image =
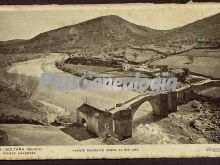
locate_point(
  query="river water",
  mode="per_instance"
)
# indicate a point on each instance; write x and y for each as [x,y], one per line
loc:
[70,100]
[146,128]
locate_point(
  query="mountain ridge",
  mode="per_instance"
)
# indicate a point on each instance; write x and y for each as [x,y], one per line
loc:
[111,30]
[201,30]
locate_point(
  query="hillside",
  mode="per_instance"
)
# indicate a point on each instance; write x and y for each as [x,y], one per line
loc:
[98,32]
[11,42]
[201,32]
[110,33]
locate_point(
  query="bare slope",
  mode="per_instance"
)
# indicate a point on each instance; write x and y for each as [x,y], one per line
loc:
[105,30]
[202,31]
[111,30]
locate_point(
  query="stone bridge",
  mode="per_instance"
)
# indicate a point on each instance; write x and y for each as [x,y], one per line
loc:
[186,93]
[122,115]
[162,104]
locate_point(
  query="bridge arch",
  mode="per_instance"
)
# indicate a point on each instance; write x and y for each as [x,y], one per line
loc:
[154,104]
[161,104]
[145,113]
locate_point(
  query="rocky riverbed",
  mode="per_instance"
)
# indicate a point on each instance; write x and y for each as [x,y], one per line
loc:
[202,125]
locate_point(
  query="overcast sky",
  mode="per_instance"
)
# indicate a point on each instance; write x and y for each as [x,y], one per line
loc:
[26,22]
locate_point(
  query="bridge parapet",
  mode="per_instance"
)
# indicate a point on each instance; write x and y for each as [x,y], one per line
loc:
[186,93]
[122,114]
[204,85]
[118,120]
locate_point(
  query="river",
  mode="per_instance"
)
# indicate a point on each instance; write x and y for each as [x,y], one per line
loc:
[146,128]
[69,100]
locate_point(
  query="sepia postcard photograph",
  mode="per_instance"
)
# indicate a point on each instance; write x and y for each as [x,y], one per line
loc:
[109,81]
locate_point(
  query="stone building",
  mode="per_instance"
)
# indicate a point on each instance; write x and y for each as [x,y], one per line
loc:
[180,74]
[96,121]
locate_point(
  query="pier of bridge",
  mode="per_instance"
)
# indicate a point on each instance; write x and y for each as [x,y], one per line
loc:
[119,118]
[122,115]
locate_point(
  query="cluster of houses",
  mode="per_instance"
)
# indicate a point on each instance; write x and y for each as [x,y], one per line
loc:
[157,70]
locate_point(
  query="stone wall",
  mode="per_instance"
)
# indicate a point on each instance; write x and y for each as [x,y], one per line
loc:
[100,124]
[122,124]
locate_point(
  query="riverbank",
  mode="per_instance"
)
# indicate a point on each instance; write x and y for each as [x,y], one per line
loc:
[175,129]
